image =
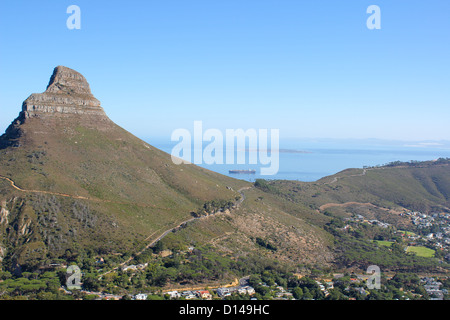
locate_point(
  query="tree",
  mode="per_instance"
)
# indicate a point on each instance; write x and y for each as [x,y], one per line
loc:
[159,246]
[262,290]
[4,275]
[90,282]
[254,280]
[336,294]
[306,294]
[297,292]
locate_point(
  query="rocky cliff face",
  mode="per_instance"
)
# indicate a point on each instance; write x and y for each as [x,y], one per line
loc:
[67,93]
[68,98]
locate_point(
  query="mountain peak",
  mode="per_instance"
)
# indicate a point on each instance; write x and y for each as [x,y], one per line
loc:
[67,93]
[66,80]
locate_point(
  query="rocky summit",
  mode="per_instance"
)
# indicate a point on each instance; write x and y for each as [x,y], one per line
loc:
[67,101]
[68,92]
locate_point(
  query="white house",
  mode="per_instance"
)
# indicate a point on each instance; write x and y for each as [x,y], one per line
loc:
[131,267]
[223,292]
[173,294]
[246,290]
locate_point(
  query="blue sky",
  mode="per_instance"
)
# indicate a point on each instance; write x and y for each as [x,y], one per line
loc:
[308,68]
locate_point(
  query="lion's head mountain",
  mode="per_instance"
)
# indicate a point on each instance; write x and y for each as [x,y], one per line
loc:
[74,183]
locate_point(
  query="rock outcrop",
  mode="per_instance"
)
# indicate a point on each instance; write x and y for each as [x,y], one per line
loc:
[67,93]
[67,98]
[4,213]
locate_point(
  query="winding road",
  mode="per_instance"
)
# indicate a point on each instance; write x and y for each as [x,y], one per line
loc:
[166,232]
[335,179]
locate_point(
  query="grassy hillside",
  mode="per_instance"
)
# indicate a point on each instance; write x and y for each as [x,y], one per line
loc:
[262,226]
[423,188]
[345,203]
[67,171]
[74,186]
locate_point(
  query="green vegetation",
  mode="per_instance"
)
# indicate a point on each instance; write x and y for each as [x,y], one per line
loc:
[265,244]
[384,243]
[211,207]
[44,286]
[90,185]
[266,186]
[414,163]
[423,187]
[421,251]
[94,195]
[356,248]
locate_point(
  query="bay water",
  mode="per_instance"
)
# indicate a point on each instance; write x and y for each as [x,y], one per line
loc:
[313,159]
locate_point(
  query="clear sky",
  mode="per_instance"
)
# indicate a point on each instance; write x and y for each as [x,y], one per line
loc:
[307,68]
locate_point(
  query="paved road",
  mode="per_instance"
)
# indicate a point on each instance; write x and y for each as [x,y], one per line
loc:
[242,195]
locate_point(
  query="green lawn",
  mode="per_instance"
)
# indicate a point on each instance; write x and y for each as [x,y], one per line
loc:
[421,251]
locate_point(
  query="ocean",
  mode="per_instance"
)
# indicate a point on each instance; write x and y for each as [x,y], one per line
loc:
[312,159]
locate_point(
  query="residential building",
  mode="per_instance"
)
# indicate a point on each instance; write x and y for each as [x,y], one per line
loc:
[141,296]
